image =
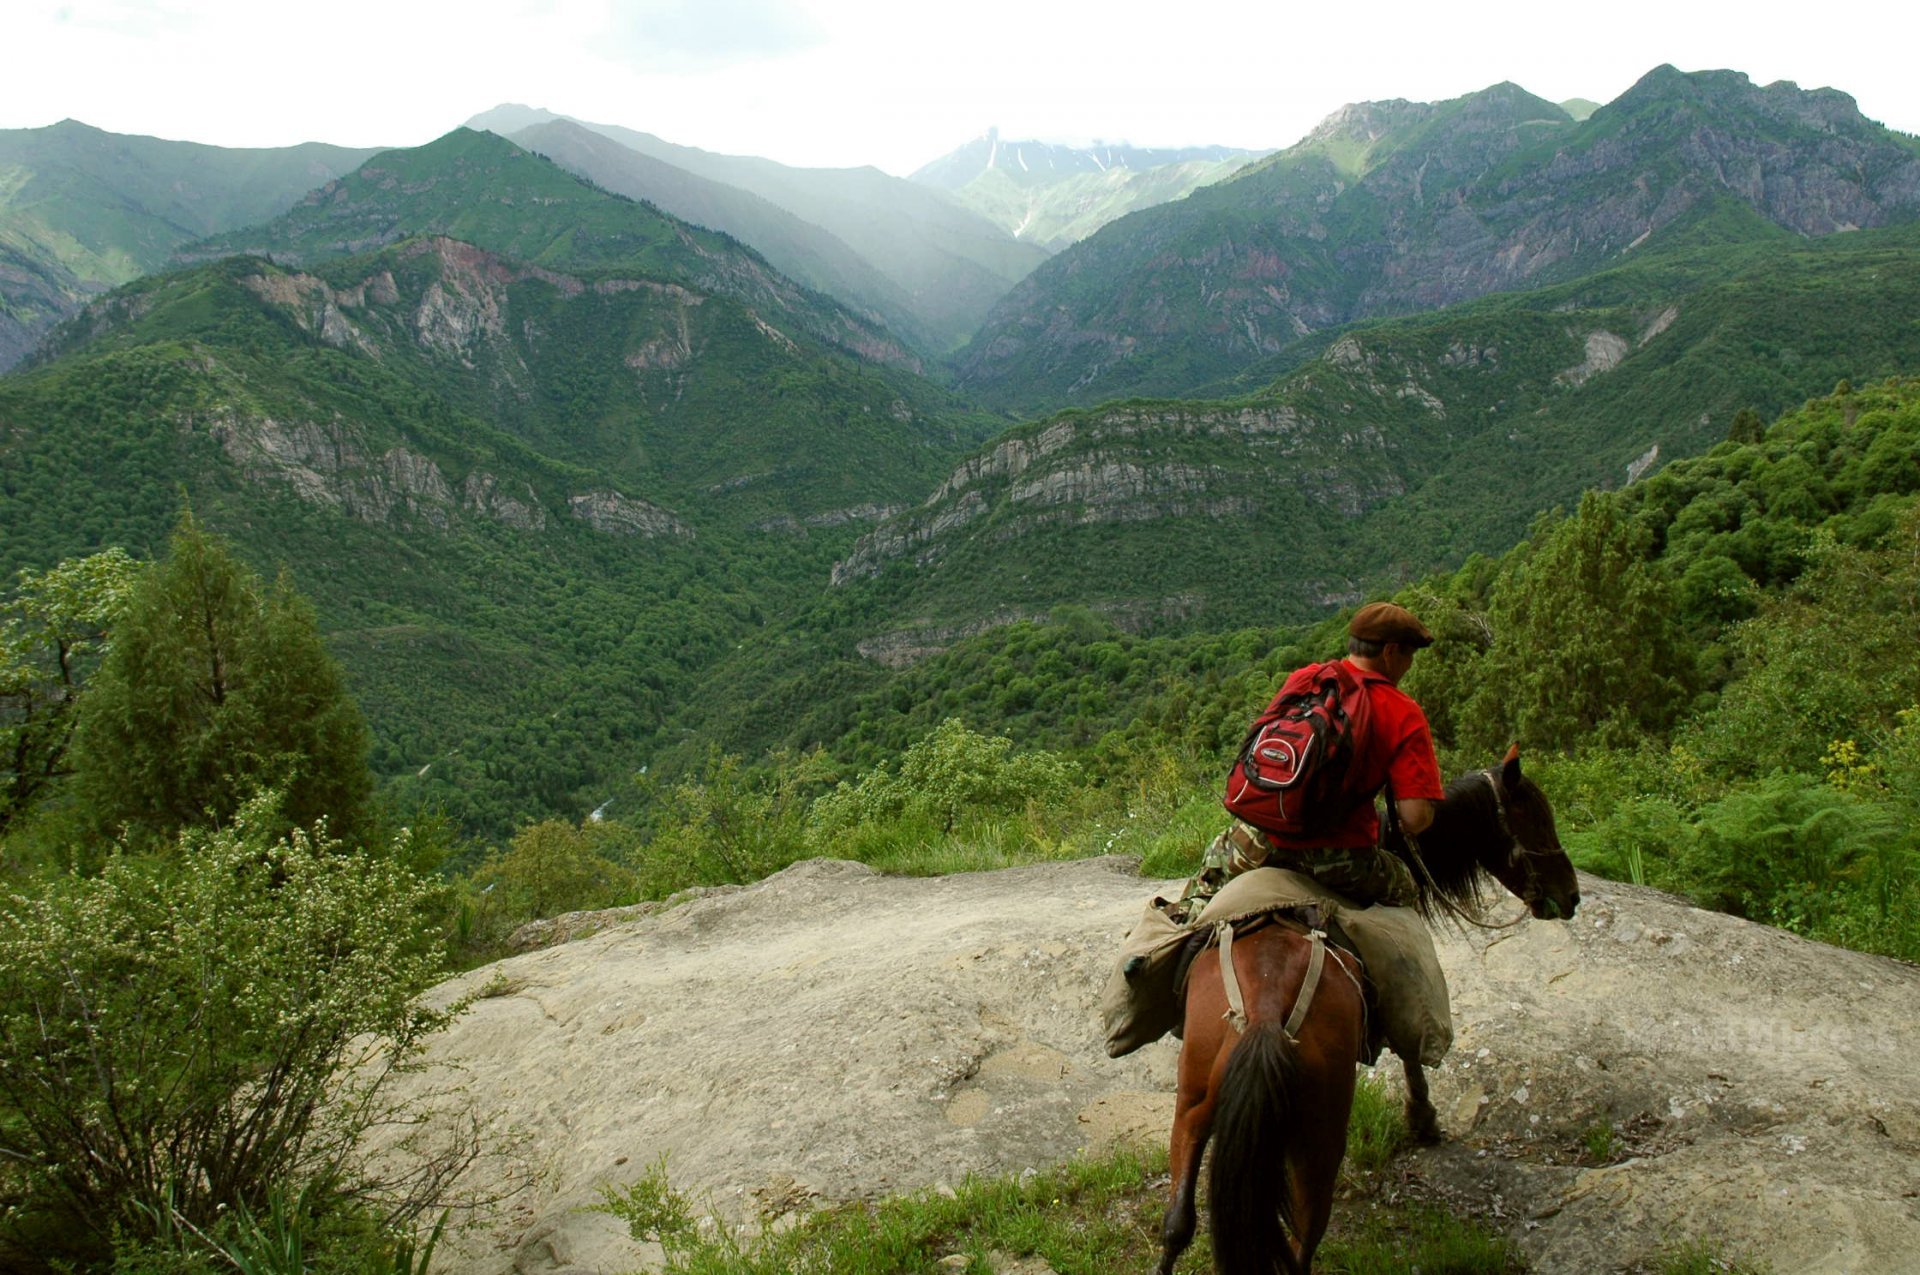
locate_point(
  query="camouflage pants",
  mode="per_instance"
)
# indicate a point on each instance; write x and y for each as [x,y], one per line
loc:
[1365,874]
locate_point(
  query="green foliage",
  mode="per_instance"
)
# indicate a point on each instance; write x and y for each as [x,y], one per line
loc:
[1087,1217]
[1376,1128]
[1584,645]
[554,866]
[52,632]
[1703,1257]
[180,1036]
[1601,1141]
[211,689]
[1747,427]
[1790,850]
[1833,658]
[728,824]
[951,775]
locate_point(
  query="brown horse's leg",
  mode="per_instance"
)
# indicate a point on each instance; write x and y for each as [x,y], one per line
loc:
[1191,1124]
[1318,1142]
[1193,1108]
[1422,1119]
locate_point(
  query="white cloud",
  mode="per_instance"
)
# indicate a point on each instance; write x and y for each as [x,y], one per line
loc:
[843,82]
[697,35]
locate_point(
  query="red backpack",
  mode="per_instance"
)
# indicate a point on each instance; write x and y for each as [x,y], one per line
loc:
[1292,774]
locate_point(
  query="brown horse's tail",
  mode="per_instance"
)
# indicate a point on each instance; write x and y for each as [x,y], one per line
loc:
[1248,1183]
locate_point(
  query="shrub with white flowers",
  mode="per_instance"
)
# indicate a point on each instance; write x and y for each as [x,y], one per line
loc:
[185,1036]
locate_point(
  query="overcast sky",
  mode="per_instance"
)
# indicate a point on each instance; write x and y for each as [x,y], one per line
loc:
[894,83]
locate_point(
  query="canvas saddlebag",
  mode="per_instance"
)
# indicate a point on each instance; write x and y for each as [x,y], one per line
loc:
[1394,943]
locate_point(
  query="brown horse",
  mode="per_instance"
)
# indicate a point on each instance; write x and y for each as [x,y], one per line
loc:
[1276,1104]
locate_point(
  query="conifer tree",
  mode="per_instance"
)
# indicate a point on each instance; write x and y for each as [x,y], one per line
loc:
[1584,646]
[213,689]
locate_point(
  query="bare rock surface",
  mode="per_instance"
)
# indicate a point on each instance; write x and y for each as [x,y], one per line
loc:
[832,1034]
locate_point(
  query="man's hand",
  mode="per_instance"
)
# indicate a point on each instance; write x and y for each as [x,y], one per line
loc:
[1416,815]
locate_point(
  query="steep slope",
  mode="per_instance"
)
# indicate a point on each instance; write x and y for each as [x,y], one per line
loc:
[1057,195]
[951,263]
[484,190]
[798,249]
[1377,460]
[82,210]
[1395,207]
[531,506]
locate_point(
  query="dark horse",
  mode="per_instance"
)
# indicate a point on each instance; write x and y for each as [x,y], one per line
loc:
[1277,1104]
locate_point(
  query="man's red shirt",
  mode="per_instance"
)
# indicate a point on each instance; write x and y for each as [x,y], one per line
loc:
[1398,747]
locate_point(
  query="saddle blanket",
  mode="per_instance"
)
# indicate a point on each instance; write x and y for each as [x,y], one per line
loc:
[1403,969]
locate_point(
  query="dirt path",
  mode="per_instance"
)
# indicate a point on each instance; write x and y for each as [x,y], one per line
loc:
[831,1034]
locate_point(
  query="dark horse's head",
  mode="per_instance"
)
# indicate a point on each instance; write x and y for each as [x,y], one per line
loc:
[1496,821]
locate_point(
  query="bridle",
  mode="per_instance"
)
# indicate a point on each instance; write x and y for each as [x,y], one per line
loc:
[1518,855]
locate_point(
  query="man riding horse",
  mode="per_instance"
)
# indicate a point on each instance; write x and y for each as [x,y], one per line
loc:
[1346,855]
[1276,1009]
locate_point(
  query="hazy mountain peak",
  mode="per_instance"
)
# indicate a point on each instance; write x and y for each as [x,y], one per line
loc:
[1030,162]
[510,117]
[1369,121]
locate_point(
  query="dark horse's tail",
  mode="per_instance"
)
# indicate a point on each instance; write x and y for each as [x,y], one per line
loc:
[1248,1182]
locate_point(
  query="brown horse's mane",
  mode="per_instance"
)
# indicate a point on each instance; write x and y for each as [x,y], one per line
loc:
[1466,823]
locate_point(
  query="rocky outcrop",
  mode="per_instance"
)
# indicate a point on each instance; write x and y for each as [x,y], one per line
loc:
[904,648]
[316,308]
[327,464]
[1604,352]
[483,494]
[1111,467]
[1639,1076]
[615,514]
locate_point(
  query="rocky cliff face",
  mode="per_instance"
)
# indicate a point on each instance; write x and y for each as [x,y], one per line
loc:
[1392,207]
[1114,466]
[330,464]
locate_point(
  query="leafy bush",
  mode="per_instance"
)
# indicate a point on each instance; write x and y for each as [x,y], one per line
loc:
[214,687]
[554,866]
[731,824]
[180,1037]
[952,774]
[51,634]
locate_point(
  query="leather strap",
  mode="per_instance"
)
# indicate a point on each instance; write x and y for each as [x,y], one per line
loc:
[1236,1004]
[1230,979]
[1316,961]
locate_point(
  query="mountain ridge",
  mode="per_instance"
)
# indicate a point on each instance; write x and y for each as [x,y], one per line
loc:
[83,210]
[1396,207]
[951,262]
[483,189]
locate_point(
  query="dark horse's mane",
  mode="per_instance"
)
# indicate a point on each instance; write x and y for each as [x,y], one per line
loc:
[1465,822]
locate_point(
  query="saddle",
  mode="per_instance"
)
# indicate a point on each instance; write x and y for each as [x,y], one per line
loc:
[1408,1008]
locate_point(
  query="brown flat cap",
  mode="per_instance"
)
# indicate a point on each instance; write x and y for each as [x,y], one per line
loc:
[1385,622]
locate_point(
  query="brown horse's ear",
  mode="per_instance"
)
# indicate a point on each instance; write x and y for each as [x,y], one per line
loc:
[1510,767]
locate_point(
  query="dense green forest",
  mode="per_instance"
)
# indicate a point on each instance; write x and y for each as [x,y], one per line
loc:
[1711,672]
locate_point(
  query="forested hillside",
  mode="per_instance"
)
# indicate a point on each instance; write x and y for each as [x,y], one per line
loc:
[82,211]
[1376,461]
[529,504]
